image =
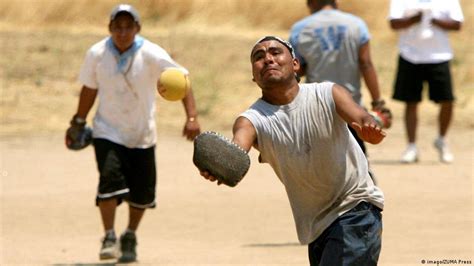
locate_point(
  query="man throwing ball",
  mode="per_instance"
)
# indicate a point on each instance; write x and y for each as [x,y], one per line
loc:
[123,71]
[301,131]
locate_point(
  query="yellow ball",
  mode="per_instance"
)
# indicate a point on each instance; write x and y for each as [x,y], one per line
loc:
[173,84]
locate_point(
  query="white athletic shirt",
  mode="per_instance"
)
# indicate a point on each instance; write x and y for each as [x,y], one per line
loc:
[312,152]
[126,110]
[424,43]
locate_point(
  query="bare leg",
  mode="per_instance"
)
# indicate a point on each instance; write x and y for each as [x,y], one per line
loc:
[135,216]
[128,240]
[411,121]
[107,211]
[444,118]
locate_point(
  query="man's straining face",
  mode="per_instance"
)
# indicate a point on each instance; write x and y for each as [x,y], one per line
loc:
[272,63]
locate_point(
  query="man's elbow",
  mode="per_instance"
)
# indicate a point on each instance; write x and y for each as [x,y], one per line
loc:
[365,64]
[393,25]
[457,25]
[396,24]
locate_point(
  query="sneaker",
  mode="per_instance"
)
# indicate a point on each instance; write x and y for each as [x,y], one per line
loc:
[410,155]
[109,247]
[445,154]
[128,242]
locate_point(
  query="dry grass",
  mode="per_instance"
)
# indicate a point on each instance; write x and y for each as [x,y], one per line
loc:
[43,43]
[243,12]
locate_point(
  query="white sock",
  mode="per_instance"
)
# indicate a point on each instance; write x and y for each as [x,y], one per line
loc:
[412,146]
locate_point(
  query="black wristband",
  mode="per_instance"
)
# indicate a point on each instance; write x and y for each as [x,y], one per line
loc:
[78,121]
[378,103]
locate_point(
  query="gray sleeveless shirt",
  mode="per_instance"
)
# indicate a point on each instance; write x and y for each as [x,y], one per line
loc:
[312,152]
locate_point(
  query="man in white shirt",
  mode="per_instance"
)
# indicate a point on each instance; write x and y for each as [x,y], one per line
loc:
[123,70]
[425,54]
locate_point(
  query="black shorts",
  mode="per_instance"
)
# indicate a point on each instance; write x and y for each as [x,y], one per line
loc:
[126,174]
[410,78]
[359,140]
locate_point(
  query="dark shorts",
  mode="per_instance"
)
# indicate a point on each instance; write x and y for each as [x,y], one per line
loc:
[359,140]
[355,238]
[126,174]
[410,78]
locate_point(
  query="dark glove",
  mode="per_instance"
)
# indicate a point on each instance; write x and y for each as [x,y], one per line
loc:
[78,135]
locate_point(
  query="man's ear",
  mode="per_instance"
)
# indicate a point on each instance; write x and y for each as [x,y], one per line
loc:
[296,65]
[139,27]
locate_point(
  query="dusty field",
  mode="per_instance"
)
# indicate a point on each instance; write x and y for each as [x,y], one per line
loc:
[48,214]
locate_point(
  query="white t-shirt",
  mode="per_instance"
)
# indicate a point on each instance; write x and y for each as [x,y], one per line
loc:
[312,152]
[423,42]
[126,110]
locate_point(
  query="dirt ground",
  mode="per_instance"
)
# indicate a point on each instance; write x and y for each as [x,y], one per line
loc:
[48,214]
[47,211]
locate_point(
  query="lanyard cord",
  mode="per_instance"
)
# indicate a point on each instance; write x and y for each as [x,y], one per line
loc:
[124,75]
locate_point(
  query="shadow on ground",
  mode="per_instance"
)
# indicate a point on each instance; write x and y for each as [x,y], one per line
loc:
[271,245]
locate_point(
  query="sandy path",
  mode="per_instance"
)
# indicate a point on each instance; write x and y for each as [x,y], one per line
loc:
[48,216]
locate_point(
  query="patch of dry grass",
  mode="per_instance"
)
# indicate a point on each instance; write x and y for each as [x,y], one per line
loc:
[275,14]
[43,43]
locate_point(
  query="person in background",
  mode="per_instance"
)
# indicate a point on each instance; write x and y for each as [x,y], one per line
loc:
[425,56]
[122,71]
[332,45]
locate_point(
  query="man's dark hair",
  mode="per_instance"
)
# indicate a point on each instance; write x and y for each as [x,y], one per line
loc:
[321,3]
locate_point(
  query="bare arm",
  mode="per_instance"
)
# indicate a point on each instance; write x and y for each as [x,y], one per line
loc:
[78,122]
[86,101]
[245,134]
[402,23]
[368,72]
[447,24]
[191,127]
[364,124]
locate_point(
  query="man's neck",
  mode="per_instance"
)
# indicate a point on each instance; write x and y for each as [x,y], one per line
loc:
[281,95]
[121,51]
[325,7]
